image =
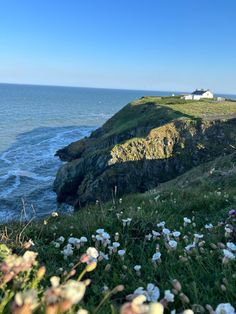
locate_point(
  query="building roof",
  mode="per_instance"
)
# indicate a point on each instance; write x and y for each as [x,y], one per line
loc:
[200,91]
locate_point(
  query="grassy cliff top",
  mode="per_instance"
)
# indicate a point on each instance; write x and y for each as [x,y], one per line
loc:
[155,111]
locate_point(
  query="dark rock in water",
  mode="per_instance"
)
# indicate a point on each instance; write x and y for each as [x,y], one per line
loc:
[150,141]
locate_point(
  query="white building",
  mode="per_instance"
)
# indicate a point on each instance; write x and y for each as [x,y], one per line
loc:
[199,94]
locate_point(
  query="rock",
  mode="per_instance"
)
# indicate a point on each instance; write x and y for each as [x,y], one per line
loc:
[146,143]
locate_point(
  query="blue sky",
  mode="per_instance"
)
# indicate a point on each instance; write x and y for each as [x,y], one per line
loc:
[136,44]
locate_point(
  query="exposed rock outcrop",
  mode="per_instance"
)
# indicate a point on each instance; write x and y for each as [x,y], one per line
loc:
[149,141]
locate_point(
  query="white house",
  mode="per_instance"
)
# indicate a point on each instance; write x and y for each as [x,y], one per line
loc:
[199,94]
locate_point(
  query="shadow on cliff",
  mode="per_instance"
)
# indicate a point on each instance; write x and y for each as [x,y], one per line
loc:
[90,178]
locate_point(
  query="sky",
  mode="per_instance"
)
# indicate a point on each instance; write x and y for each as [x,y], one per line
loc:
[176,45]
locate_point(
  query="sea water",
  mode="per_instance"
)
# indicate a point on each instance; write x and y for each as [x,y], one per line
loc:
[36,121]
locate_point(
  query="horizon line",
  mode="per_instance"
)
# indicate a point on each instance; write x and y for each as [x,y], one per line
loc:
[111,88]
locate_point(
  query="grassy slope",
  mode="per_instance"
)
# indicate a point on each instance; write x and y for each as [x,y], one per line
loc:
[148,110]
[206,192]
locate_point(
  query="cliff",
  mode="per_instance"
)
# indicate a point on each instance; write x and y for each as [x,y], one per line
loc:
[150,141]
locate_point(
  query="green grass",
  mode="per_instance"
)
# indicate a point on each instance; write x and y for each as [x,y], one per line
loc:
[204,194]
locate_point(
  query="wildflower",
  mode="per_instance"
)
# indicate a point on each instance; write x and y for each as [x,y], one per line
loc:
[161,224]
[148,237]
[172,244]
[121,253]
[169,297]
[115,246]
[73,291]
[225,308]
[156,308]
[117,236]
[25,302]
[61,239]
[74,241]
[190,247]
[156,256]
[176,234]
[187,221]
[54,214]
[83,240]
[232,212]
[55,281]
[166,231]
[100,231]
[231,246]
[82,311]
[152,293]
[136,306]
[92,252]
[126,222]
[67,251]
[198,236]
[155,234]
[229,255]
[137,268]
[208,226]
[102,256]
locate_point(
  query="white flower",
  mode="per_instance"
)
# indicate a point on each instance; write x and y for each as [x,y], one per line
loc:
[102,256]
[61,239]
[106,236]
[155,233]
[190,247]
[173,244]
[126,222]
[166,231]
[169,296]
[187,221]
[73,241]
[137,267]
[82,311]
[198,236]
[54,214]
[115,244]
[156,256]
[153,292]
[161,224]
[148,237]
[92,252]
[83,239]
[225,308]
[55,281]
[73,291]
[67,251]
[228,254]
[228,230]
[231,246]
[208,226]
[99,237]
[99,231]
[176,234]
[121,252]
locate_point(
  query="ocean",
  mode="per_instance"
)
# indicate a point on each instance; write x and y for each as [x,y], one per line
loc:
[36,121]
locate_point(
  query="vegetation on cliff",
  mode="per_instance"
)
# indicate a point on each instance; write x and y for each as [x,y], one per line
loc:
[178,242]
[149,141]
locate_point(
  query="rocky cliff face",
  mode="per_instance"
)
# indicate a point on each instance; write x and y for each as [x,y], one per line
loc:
[149,141]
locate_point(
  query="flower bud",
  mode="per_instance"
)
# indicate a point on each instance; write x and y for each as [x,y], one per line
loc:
[41,272]
[184,298]
[91,266]
[176,285]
